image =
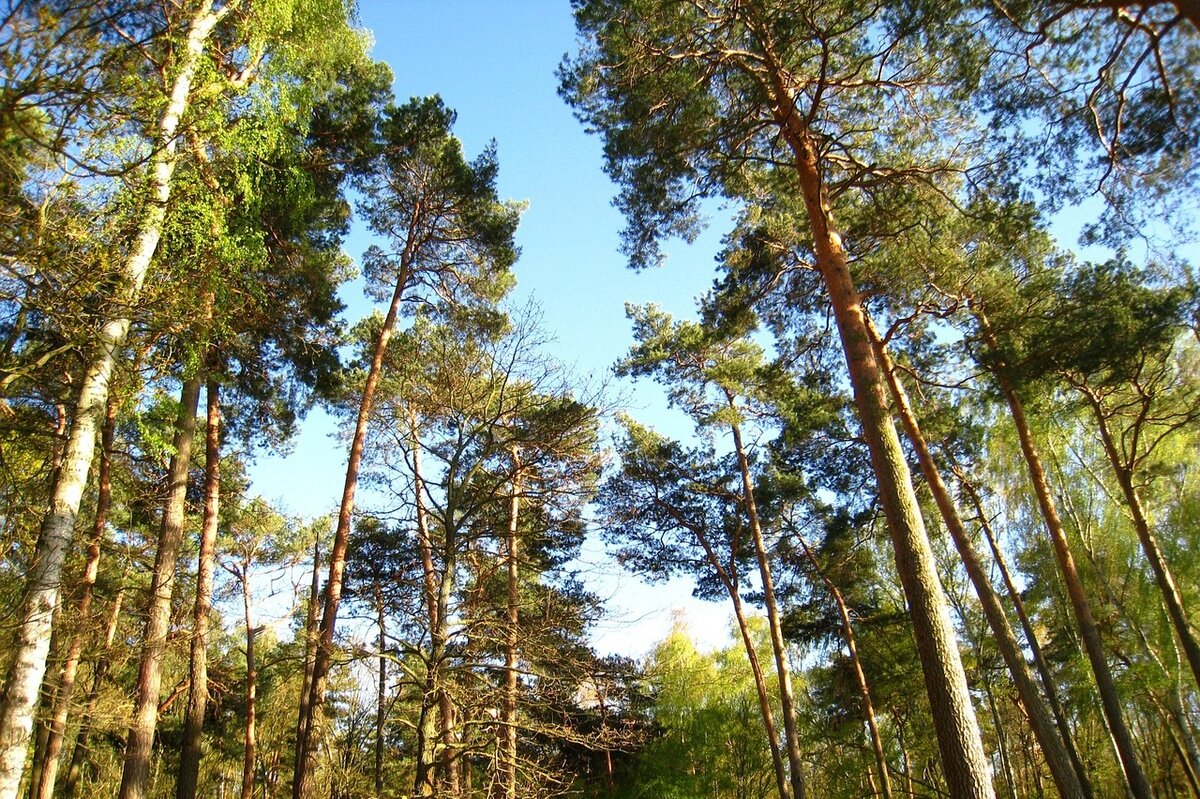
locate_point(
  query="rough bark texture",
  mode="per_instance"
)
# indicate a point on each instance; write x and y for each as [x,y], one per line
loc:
[1110,700]
[193,723]
[135,777]
[508,715]
[303,783]
[1040,719]
[963,761]
[70,670]
[311,637]
[45,574]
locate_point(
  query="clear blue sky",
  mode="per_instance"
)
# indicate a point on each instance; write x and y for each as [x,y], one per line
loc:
[494,62]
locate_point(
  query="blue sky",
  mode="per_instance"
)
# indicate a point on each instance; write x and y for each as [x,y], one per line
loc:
[494,63]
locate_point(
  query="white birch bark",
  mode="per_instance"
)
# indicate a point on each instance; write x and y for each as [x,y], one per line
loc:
[58,528]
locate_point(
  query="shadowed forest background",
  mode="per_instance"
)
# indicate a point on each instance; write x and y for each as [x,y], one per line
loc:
[929,437]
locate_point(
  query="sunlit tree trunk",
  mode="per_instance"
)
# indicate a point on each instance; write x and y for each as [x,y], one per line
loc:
[508,715]
[43,581]
[193,725]
[787,698]
[135,776]
[1110,699]
[303,783]
[1054,749]
[963,761]
[250,740]
[70,670]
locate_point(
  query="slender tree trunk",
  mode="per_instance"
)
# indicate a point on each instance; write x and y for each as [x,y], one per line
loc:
[1001,744]
[729,579]
[1041,720]
[193,724]
[426,729]
[83,741]
[381,696]
[508,715]
[1110,700]
[311,635]
[963,761]
[135,777]
[787,697]
[43,581]
[1163,578]
[66,684]
[45,710]
[447,736]
[864,692]
[303,784]
[251,737]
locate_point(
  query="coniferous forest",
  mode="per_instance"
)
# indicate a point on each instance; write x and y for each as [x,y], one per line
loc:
[938,465]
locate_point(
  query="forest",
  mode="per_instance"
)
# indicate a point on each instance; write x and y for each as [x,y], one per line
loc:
[938,453]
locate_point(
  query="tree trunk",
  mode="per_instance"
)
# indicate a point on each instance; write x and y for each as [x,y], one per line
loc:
[303,784]
[864,692]
[963,761]
[787,699]
[45,574]
[729,579]
[311,635]
[423,782]
[1110,700]
[1041,720]
[193,725]
[135,776]
[1163,578]
[381,697]
[75,770]
[1035,647]
[508,715]
[45,710]
[251,738]
[66,683]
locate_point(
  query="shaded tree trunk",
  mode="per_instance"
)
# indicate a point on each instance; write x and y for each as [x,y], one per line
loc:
[251,737]
[1110,699]
[193,725]
[860,677]
[381,696]
[83,741]
[508,715]
[135,776]
[45,575]
[311,634]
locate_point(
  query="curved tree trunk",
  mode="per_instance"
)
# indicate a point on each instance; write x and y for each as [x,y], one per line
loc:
[193,724]
[303,782]
[66,684]
[44,579]
[1041,720]
[135,776]
[1110,700]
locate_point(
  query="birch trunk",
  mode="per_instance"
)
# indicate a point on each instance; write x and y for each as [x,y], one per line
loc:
[45,574]
[193,725]
[66,685]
